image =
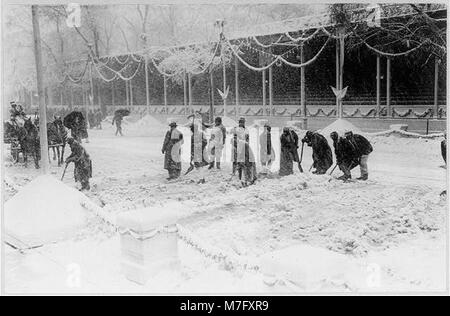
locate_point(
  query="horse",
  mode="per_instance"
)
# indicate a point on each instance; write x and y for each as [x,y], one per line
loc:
[29,142]
[57,137]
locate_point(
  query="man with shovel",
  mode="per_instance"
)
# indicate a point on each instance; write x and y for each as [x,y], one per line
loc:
[289,152]
[82,161]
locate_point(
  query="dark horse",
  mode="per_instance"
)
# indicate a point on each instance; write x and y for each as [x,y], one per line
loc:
[29,142]
[57,137]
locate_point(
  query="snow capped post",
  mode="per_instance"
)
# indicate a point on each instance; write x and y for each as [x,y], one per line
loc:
[40,87]
[149,243]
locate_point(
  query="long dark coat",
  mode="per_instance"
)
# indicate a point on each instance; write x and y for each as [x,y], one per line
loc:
[289,152]
[172,150]
[322,155]
[346,156]
[82,161]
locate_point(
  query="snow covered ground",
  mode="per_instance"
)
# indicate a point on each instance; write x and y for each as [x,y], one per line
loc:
[391,230]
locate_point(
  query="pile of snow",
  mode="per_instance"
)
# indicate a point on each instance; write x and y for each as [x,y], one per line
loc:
[340,126]
[44,211]
[229,122]
[312,268]
[150,122]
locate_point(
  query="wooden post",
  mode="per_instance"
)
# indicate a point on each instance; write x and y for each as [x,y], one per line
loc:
[236,85]
[126,93]
[224,72]
[113,97]
[147,95]
[264,92]
[40,87]
[165,95]
[436,87]
[190,92]
[131,93]
[388,87]
[378,85]
[211,88]
[91,97]
[270,90]
[337,75]
[341,70]
[71,98]
[185,93]
[302,88]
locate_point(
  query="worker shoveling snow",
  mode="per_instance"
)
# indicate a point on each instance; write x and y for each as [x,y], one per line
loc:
[340,126]
[44,211]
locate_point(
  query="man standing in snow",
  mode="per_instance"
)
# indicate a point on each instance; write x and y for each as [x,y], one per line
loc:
[118,120]
[172,151]
[267,152]
[289,152]
[82,161]
[239,133]
[346,157]
[322,156]
[246,164]
[217,143]
[444,148]
[363,149]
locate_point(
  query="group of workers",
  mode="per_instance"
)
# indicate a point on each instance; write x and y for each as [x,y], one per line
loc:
[351,150]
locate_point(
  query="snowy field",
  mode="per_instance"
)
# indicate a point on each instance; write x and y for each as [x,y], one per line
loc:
[386,234]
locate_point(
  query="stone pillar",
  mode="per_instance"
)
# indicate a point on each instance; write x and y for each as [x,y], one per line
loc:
[148,242]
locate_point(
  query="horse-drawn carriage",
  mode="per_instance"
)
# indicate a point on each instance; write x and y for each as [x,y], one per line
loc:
[11,137]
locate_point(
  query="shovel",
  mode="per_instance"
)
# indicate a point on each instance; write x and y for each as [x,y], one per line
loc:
[64,172]
[301,158]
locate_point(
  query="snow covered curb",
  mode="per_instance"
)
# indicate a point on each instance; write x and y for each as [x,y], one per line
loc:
[404,133]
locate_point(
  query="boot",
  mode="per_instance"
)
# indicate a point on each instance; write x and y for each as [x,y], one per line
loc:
[344,177]
[218,165]
[363,177]
[211,166]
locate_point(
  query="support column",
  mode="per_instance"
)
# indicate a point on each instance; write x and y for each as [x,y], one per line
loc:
[126,93]
[236,85]
[302,89]
[40,87]
[211,84]
[388,87]
[190,92]
[165,95]
[131,93]
[224,71]
[436,87]
[378,78]
[147,95]
[264,93]
[337,75]
[91,97]
[185,94]
[113,97]
[341,70]
[71,97]
[270,90]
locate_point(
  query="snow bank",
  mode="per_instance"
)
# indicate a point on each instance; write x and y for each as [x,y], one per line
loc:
[44,211]
[340,126]
[229,122]
[312,268]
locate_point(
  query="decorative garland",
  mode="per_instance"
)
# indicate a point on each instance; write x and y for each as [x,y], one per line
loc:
[277,59]
[371,112]
[320,111]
